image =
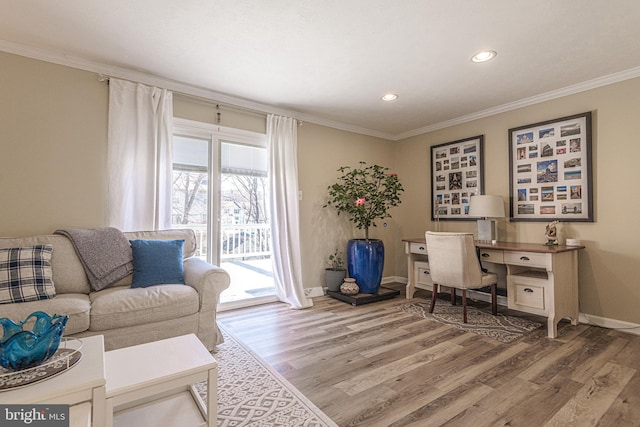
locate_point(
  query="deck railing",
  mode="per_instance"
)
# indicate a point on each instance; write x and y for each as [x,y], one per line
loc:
[237,240]
[245,240]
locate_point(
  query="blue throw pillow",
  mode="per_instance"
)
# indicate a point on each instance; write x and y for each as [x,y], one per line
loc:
[157,262]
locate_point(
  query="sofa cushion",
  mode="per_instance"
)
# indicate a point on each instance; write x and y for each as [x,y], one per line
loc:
[188,235]
[25,274]
[76,306]
[157,262]
[68,273]
[120,306]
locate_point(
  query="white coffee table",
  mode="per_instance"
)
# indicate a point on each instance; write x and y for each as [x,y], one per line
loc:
[82,387]
[148,384]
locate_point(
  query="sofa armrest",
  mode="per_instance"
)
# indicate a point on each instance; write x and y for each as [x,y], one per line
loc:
[209,280]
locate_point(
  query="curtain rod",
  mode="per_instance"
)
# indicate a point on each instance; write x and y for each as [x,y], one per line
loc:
[208,101]
[213,103]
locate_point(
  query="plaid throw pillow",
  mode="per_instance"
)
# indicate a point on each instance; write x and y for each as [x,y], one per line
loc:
[25,274]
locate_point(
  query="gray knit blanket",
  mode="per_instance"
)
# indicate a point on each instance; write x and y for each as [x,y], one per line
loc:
[105,254]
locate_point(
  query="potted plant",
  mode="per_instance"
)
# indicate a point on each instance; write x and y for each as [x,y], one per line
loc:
[365,193]
[336,272]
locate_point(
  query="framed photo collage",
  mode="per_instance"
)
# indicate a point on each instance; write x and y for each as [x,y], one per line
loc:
[550,170]
[456,175]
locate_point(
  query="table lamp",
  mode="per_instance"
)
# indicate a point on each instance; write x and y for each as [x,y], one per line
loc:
[488,208]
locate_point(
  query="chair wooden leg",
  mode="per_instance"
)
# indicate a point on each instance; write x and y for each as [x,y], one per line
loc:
[494,299]
[453,296]
[434,294]
[464,306]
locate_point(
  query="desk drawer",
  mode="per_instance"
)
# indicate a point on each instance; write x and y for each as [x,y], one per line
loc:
[491,255]
[527,294]
[418,248]
[530,259]
[423,275]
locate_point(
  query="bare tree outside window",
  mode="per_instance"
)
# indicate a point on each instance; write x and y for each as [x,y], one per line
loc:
[189,197]
[244,201]
[248,194]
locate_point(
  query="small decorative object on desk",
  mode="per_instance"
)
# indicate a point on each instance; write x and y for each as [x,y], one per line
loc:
[22,349]
[551,232]
[349,287]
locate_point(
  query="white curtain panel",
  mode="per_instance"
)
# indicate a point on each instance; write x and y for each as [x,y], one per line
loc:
[139,165]
[285,218]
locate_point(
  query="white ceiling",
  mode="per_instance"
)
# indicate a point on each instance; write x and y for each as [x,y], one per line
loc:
[330,61]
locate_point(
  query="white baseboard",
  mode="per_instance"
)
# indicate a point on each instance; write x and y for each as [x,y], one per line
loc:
[394,279]
[481,296]
[619,325]
[316,291]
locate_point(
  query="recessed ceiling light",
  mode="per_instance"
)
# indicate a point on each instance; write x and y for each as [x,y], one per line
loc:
[389,97]
[484,56]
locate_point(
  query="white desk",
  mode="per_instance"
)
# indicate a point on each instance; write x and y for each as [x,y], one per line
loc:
[541,279]
[160,372]
[82,387]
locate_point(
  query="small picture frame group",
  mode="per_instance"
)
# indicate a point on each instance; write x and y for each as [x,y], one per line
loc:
[456,175]
[550,170]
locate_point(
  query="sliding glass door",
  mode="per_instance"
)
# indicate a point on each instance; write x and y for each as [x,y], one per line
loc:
[220,191]
[244,221]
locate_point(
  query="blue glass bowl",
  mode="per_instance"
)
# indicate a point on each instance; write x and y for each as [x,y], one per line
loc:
[20,349]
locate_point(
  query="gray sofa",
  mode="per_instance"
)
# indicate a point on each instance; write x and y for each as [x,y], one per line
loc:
[124,315]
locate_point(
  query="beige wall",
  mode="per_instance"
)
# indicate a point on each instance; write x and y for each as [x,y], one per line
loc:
[321,151]
[53,134]
[609,281]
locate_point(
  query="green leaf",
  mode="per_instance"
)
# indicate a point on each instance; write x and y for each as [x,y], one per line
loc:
[379,189]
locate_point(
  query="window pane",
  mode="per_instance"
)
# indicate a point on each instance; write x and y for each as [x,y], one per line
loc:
[190,187]
[244,159]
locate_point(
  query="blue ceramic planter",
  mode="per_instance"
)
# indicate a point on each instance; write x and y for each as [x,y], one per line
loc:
[365,261]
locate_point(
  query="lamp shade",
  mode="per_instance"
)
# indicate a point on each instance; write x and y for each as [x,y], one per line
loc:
[486,206]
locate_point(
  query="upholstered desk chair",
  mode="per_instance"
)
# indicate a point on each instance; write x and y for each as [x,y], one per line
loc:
[453,262]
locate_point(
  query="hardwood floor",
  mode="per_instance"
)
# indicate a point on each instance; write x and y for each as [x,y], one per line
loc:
[373,365]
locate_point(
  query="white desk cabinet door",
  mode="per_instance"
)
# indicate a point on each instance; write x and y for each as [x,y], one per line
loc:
[527,294]
[423,275]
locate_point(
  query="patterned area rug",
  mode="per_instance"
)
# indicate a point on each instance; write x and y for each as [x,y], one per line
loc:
[501,327]
[251,393]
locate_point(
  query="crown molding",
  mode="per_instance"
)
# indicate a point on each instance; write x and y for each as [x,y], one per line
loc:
[547,96]
[176,86]
[345,127]
[196,91]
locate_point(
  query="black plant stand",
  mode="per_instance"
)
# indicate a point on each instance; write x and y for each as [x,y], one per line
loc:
[359,299]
